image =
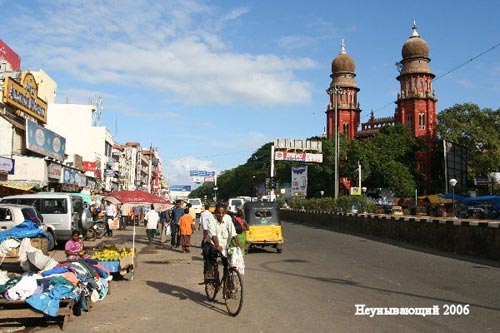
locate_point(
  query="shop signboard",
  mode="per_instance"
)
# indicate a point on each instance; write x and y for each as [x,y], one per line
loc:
[24,97]
[89,166]
[299,181]
[298,157]
[44,141]
[12,58]
[7,165]
[69,176]
[54,171]
[110,173]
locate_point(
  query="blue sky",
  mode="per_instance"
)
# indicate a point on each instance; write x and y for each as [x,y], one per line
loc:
[209,82]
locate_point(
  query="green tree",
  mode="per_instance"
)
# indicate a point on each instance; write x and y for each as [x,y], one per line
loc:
[476,129]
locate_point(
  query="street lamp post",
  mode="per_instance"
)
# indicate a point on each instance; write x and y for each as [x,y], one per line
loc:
[452,183]
[254,186]
[322,192]
[336,91]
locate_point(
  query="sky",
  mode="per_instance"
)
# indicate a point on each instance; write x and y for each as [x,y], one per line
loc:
[207,83]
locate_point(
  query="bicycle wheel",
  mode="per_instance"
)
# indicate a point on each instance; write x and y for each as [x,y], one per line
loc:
[212,286]
[233,291]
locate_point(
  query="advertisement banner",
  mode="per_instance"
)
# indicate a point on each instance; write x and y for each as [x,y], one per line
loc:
[12,58]
[89,166]
[298,157]
[54,171]
[7,165]
[201,173]
[180,188]
[68,176]
[44,141]
[78,161]
[299,181]
[209,179]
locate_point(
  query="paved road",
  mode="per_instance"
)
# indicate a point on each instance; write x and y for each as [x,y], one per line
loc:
[312,286]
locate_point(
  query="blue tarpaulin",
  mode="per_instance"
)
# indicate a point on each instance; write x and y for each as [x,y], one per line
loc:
[494,200]
[27,229]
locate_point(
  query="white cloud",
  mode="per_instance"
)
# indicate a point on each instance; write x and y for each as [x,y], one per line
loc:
[171,47]
[235,13]
[178,169]
[296,42]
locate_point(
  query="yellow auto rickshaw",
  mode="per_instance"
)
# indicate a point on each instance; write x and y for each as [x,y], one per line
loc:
[264,225]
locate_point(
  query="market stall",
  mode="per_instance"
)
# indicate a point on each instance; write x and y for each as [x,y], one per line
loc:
[46,288]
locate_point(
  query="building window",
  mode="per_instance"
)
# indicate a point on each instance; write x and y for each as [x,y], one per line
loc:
[346,128]
[421,121]
[409,120]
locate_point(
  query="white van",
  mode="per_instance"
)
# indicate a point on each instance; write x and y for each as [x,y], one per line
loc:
[62,211]
[234,204]
[196,204]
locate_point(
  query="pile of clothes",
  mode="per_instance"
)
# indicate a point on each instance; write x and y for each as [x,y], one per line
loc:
[75,279]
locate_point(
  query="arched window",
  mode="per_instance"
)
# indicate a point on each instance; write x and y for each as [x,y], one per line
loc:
[421,121]
[346,129]
[409,120]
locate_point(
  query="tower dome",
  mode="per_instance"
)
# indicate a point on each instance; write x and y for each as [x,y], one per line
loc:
[343,63]
[415,46]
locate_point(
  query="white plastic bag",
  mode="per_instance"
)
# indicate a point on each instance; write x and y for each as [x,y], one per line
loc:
[167,229]
[237,260]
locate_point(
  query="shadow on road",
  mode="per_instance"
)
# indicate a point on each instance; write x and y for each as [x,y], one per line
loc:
[354,284]
[185,294]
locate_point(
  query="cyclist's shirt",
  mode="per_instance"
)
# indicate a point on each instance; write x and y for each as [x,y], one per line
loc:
[224,230]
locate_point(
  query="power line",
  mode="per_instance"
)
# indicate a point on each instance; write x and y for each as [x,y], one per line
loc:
[447,73]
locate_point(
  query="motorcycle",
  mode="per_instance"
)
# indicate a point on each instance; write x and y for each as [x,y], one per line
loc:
[96,230]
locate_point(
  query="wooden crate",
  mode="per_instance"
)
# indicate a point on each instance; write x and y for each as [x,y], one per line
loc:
[39,243]
[14,311]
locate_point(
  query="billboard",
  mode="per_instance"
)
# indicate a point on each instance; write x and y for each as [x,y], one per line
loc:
[202,176]
[180,188]
[12,58]
[44,141]
[299,181]
[298,157]
[298,150]
[455,164]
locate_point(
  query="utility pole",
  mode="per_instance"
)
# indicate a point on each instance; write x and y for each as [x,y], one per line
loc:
[336,91]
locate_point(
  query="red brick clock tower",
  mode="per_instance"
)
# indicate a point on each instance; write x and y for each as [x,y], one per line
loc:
[343,91]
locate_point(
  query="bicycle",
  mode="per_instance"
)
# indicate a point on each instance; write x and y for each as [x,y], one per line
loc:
[232,287]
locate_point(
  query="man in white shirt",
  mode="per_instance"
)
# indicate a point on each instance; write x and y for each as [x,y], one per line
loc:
[220,232]
[110,214]
[204,221]
[152,217]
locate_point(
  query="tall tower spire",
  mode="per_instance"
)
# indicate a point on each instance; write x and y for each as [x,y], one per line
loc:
[416,103]
[343,93]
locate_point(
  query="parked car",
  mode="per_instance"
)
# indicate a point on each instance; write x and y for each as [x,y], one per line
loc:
[13,214]
[196,204]
[62,211]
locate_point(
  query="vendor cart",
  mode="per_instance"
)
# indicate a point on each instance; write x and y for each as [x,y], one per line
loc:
[14,311]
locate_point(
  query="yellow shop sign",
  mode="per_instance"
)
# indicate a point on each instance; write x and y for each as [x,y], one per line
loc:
[24,96]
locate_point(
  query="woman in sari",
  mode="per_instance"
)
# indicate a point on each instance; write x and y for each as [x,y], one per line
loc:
[74,247]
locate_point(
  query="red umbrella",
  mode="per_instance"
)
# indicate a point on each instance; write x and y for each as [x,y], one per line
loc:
[135,197]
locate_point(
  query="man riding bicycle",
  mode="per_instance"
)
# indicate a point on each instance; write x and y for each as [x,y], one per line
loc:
[220,233]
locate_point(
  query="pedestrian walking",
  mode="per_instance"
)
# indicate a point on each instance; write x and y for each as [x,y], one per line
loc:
[191,212]
[164,220]
[186,226]
[110,217]
[124,216]
[177,213]
[136,214]
[203,223]
[152,218]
